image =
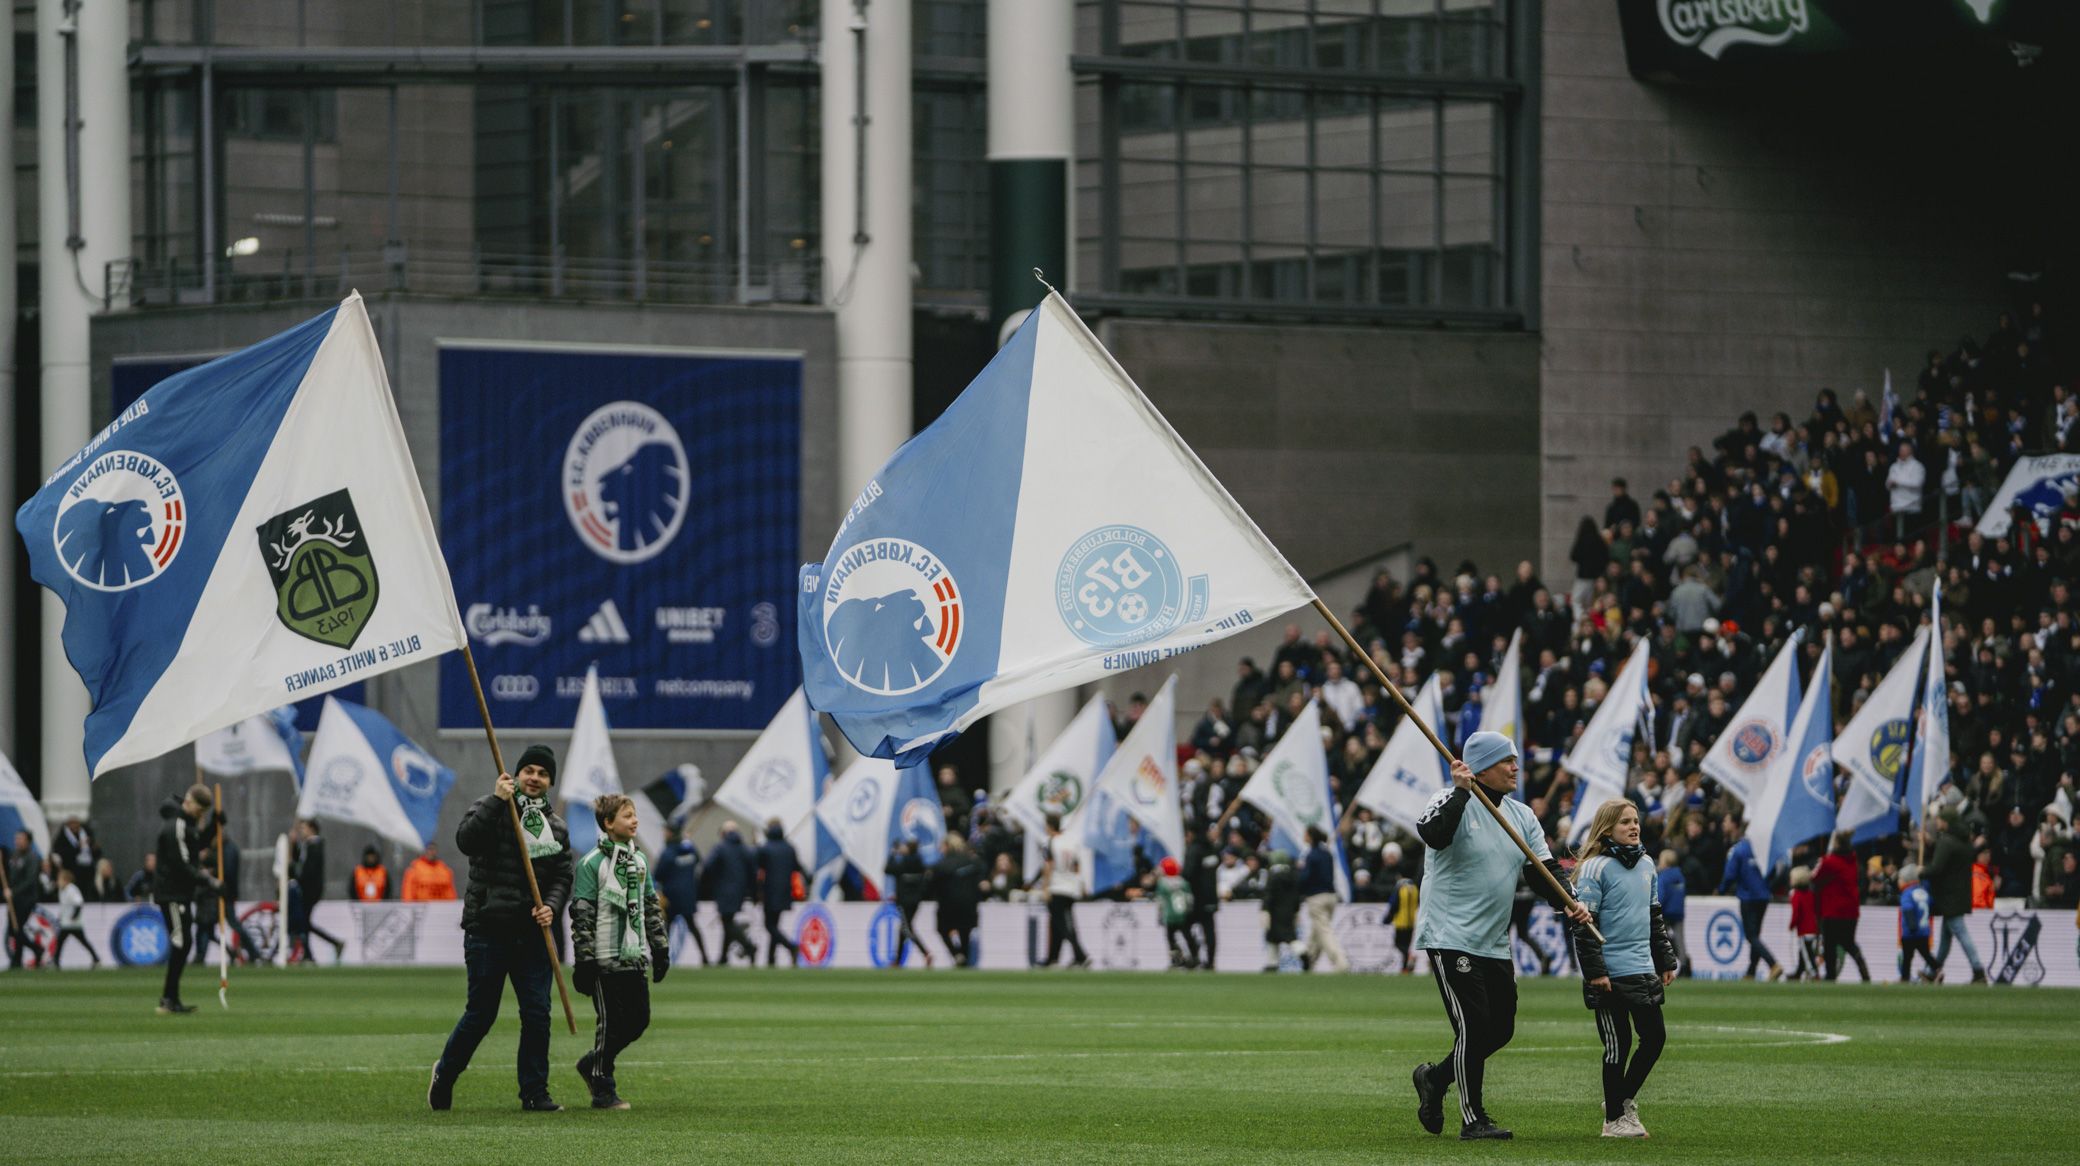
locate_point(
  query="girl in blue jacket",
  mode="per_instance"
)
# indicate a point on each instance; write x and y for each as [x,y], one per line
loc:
[1623,976]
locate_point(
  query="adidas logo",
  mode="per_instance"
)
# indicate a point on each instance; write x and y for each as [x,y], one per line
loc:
[605,626]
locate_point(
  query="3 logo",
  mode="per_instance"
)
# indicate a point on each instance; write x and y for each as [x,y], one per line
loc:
[120,522]
[625,482]
[1121,585]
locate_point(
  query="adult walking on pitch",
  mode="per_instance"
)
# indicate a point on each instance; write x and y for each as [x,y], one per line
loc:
[1462,925]
[502,927]
[1744,877]
[777,868]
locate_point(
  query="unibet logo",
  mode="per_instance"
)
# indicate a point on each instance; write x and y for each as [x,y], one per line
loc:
[324,575]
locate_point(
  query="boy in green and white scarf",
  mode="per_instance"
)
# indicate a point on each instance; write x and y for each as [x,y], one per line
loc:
[617,928]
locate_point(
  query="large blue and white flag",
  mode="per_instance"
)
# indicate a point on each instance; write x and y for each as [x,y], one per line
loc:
[259,744]
[916,815]
[1796,799]
[1602,758]
[248,533]
[1135,802]
[856,810]
[1873,746]
[1929,767]
[1760,730]
[1065,773]
[588,772]
[781,776]
[1410,770]
[2037,484]
[19,811]
[1292,788]
[363,770]
[1048,530]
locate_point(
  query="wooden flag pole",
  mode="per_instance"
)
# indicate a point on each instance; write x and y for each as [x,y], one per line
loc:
[520,838]
[14,925]
[1408,709]
[223,932]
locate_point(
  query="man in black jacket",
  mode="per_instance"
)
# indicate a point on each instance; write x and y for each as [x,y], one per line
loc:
[25,891]
[728,881]
[502,925]
[957,886]
[777,865]
[306,888]
[179,874]
[907,874]
[1202,864]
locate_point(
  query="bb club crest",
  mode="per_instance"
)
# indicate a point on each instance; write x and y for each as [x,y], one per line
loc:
[891,616]
[324,575]
[120,522]
[1121,585]
[625,482]
[1889,747]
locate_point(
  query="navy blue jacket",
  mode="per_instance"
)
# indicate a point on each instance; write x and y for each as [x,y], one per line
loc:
[1673,891]
[678,874]
[1742,876]
[777,865]
[1318,874]
[728,878]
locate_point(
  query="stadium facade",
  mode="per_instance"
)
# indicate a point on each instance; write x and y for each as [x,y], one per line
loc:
[1406,273]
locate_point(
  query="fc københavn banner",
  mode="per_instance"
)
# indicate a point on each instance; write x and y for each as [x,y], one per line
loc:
[633,509]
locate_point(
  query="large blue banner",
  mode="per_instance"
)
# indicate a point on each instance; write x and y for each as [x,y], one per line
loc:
[638,510]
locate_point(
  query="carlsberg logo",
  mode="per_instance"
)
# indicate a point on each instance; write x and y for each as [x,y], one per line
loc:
[1717,25]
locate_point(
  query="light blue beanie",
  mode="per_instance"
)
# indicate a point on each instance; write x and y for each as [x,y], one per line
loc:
[1485,749]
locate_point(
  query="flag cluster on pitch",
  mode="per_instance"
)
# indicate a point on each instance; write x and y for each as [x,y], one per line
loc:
[249,533]
[1048,530]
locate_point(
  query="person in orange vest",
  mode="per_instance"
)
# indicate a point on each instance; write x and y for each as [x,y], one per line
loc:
[1982,880]
[371,881]
[428,879]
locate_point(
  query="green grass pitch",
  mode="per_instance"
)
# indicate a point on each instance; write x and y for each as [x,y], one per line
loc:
[330,1065]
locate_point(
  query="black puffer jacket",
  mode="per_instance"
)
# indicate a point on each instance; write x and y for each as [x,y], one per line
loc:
[497,899]
[179,872]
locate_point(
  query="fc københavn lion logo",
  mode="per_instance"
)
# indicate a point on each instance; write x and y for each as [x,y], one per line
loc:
[625,482]
[324,576]
[891,616]
[120,522]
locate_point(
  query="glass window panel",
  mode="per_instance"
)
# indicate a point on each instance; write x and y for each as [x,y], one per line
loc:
[1148,200]
[1213,32]
[1278,203]
[1279,141]
[1407,211]
[1343,134]
[1470,137]
[1148,30]
[1342,210]
[1469,210]
[1468,47]
[1213,202]
[1468,277]
[1213,269]
[1147,114]
[1407,135]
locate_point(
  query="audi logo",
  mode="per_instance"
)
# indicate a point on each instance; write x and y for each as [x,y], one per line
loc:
[515,687]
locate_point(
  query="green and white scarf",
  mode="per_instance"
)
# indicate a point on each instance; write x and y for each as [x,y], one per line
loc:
[535,823]
[624,878]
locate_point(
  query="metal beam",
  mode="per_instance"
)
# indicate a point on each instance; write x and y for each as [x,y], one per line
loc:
[538,64]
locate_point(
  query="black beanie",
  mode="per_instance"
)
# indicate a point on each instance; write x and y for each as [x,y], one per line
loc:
[537,755]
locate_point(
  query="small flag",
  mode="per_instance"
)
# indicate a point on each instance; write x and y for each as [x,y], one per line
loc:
[781,776]
[248,533]
[856,810]
[588,772]
[676,794]
[19,811]
[1929,768]
[1135,800]
[363,770]
[1063,776]
[1410,770]
[1760,730]
[1292,788]
[915,814]
[1502,705]
[2038,485]
[1048,530]
[1796,799]
[269,742]
[1602,759]
[1873,746]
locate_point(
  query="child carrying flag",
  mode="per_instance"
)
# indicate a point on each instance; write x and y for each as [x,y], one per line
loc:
[617,930]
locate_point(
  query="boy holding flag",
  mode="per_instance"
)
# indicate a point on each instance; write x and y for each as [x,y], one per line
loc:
[618,937]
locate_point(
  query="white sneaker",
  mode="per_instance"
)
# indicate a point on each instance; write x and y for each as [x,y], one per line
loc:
[1615,1128]
[1631,1116]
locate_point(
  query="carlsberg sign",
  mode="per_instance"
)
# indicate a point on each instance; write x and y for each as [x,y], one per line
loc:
[1713,26]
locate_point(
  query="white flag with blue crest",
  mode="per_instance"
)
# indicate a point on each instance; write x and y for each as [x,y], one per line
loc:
[1065,774]
[589,771]
[19,811]
[1795,802]
[1135,803]
[1760,730]
[856,809]
[1873,746]
[259,744]
[1048,530]
[364,771]
[781,776]
[1292,788]
[248,533]
[1602,758]
[1929,767]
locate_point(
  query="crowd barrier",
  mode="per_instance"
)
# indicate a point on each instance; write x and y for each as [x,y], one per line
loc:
[2019,945]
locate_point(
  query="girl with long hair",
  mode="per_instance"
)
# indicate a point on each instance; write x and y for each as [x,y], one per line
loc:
[1623,977]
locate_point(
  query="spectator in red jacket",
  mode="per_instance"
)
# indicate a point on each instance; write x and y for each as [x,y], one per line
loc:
[1805,924]
[1840,895]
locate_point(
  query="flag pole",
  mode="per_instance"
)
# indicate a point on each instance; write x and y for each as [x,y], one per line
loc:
[519,837]
[14,925]
[1478,792]
[223,933]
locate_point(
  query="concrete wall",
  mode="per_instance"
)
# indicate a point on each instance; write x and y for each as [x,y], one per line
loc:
[407,327]
[1707,252]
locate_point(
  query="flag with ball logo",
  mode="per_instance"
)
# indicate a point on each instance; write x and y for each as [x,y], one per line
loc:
[364,771]
[1048,530]
[249,533]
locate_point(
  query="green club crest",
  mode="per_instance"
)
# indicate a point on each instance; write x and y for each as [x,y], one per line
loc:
[324,577]
[1061,793]
[1300,792]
